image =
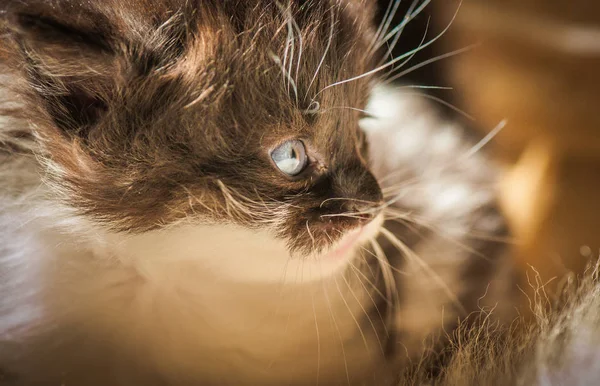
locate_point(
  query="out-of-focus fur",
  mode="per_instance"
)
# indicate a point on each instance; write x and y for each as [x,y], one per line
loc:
[558,346]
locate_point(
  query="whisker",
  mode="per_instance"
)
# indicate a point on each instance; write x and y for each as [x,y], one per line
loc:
[329,40]
[426,87]
[414,257]
[397,172]
[382,25]
[445,237]
[345,107]
[344,199]
[392,268]
[432,60]
[407,19]
[366,314]
[289,48]
[289,41]
[388,278]
[387,24]
[402,184]
[445,103]
[394,68]
[339,334]
[310,235]
[399,32]
[283,276]
[356,215]
[390,202]
[366,263]
[479,145]
[289,316]
[352,313]
[318,337]
[286,74]
[300,48]
[427,224]
[395,60]
[368,292]
[365,277]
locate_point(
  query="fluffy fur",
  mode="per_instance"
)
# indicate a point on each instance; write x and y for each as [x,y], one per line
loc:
[558,346]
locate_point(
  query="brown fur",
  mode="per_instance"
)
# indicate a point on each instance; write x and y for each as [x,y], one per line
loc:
[137,101]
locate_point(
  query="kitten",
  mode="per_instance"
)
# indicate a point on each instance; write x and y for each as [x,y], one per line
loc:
[223,192]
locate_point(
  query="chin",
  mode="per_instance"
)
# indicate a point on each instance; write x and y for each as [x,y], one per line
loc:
[343,252]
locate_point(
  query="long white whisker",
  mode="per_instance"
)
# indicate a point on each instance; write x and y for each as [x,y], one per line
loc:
[318,337]
[355,270]
[485,140]
[445,103]
[391,268]
[337,328]
[403,24]
[344,199]
[323,111]
[329,40]
[365,277]
[399,33]
[442,234]
[366,263]
[286,74]
[432,60]
[366,313]
[386,26]
[381,28]
[292,49]
[310,235]
[406,218]
[354,317]
[426,87]
[393,61]
[300,49]
[289,42]
[414,257]
[394,68]
[396,173]
[287,322]
[388,277]
[289,47]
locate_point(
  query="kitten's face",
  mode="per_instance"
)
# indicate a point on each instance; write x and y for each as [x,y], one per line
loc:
[224,112]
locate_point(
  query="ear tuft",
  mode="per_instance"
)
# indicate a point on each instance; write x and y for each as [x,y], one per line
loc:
[67,61]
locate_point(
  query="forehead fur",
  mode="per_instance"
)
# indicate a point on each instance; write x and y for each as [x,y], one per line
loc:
[151,110]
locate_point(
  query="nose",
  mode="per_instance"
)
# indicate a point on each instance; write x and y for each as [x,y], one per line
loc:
[363,211]
[361,189]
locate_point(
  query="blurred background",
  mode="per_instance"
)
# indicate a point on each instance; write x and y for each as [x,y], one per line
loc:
[535,63]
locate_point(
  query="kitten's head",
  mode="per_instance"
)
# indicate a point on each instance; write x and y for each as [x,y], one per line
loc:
[157,113]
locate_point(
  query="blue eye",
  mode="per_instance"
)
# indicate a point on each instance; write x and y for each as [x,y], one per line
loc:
[290,157]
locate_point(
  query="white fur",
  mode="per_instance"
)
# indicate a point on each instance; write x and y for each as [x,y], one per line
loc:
[177,294]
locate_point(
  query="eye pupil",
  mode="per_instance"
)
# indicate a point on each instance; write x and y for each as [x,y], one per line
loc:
[290,157]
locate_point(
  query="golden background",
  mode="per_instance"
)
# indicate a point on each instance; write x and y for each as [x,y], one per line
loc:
[537,65]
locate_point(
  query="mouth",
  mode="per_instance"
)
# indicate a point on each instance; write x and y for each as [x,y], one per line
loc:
[347,245]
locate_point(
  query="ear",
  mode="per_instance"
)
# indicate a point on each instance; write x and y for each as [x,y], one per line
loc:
[66,60]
